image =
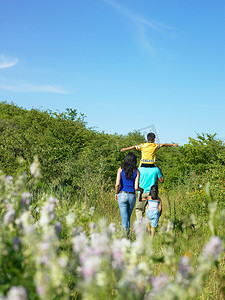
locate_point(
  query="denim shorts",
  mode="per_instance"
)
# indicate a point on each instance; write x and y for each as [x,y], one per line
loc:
[153,216]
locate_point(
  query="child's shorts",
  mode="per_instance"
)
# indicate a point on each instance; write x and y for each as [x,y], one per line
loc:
[153,216]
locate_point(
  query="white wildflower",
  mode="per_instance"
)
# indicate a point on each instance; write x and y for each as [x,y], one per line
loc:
[17,293]
[70,219]
[10,215]
[34,168]
[79,242]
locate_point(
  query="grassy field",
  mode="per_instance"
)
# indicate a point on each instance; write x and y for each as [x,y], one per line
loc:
[56,244]
[190,233]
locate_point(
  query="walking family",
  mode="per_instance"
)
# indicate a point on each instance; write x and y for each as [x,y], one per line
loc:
[144,181]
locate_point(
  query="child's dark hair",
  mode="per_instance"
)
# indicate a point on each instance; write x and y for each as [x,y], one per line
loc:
[150,136]
[154,192]
[129,165]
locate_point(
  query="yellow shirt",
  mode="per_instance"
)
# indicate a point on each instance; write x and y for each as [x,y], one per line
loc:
[148,151]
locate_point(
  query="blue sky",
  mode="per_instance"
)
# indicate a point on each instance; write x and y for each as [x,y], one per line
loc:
[125,64]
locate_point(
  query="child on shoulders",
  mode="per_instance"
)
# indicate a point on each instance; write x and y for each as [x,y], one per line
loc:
[148,150]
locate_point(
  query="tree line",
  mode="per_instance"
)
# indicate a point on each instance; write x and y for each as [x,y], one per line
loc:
[67,149]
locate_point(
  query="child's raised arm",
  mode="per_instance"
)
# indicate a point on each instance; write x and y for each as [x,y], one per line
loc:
[128,148]
[169,145]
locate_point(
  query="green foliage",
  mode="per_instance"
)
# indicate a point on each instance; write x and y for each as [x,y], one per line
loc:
[62,142]
[201,156]
[202,152]
[70,153]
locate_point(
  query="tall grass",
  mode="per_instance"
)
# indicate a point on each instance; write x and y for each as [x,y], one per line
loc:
[60,244]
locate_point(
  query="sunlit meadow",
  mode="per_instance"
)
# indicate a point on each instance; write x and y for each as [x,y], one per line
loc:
[57,246]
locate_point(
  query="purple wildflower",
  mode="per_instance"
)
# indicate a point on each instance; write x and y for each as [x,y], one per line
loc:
[119,248]
[44,260]
[184,267]
[25,199]
[62,262]
[213,248]
[40,290]
[160,282]
[117,254]
[77,230]
[184,271]
[16,243]
[58,227]
[9,180]
[112,228]
[90,267]
[92,226]
[48,211]
[99,243]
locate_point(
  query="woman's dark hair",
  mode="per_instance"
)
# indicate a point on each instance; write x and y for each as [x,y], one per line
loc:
[129,165]
[154,192]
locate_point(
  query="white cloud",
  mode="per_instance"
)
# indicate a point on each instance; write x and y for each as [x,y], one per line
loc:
[32,88]
[6,62]
[144,40]
[142,25]
[135,17]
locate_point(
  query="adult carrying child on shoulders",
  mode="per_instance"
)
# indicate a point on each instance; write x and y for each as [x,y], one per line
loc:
[149,173]
[148,150]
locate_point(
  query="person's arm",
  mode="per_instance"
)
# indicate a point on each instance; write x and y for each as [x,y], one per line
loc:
[117,186]
[128,148]
[161,179]
[136,185]
[160,207]
[146,198]
[160,175]
[168,145]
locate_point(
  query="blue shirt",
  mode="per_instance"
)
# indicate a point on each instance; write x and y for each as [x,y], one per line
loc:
[148,177]
[128,185]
